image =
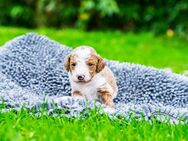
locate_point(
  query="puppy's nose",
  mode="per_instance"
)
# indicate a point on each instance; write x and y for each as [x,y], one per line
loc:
[81,77]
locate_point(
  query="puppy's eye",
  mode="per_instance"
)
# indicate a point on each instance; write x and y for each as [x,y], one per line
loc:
[90,64]
[73,64]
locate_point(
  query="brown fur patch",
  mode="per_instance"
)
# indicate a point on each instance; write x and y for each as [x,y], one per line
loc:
[69,63]
[76,93]
[101,64]
[95,63]
[92,64]
[106,97]
[72,63]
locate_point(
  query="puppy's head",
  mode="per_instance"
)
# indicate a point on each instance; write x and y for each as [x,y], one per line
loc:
[83,63]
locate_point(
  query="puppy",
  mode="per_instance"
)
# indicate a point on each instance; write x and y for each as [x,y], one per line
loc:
[89,76]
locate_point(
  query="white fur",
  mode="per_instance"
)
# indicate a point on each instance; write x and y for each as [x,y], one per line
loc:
[81,68]
[90,88]
[82,52]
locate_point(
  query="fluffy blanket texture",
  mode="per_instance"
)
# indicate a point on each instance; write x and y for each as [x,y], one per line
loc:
[31,69]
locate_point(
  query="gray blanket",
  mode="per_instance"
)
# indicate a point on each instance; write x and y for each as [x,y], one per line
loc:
[31,70]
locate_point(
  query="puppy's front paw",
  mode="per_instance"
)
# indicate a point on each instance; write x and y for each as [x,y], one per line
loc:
[106,98]
[76,93]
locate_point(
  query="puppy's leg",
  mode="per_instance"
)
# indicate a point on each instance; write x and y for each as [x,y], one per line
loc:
[106,97]
[76,93]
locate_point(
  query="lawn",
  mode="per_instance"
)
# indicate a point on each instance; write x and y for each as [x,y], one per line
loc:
[23,126]
[143,48]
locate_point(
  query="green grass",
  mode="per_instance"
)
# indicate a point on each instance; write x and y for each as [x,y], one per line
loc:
[143,48]
[23,126]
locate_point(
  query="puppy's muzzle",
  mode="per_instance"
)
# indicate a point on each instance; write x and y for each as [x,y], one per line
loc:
[81,77]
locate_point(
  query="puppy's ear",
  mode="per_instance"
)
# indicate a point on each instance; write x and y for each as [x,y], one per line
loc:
[67,63]
[100,64]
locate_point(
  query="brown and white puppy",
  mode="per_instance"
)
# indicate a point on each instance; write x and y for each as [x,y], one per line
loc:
[89,76]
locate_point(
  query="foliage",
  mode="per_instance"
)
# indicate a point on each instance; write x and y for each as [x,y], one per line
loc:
[157,15]
[143,48]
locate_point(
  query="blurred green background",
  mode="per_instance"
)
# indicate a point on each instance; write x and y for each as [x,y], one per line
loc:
[153,33]
[157,15]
